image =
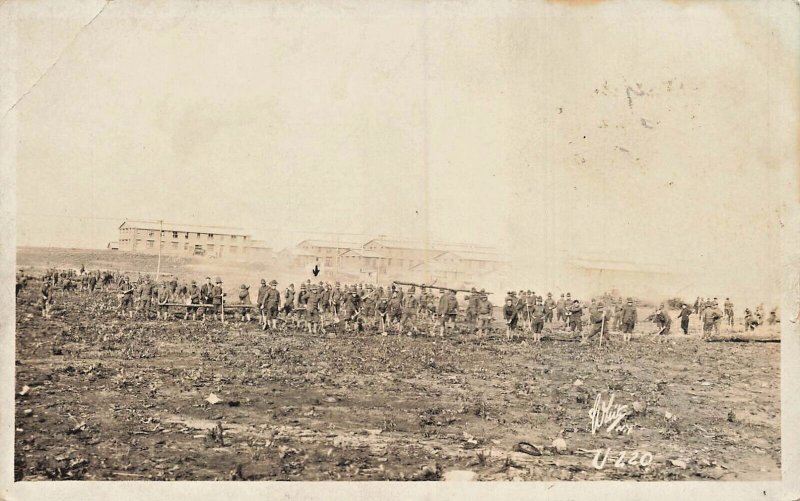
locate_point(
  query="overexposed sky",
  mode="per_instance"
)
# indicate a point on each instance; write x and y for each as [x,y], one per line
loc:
[651,131]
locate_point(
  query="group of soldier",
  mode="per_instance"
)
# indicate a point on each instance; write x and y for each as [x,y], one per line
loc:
[528,312]
[319,307]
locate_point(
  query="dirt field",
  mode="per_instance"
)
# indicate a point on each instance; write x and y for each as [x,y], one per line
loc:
[111,398]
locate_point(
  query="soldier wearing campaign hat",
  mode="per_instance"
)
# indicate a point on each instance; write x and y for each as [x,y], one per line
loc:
[549,307]
[244,299]
[262,291]
[217,298]
[561,309]
[206,294]
[271,304]
[193,298]
[597,320]
[629,318]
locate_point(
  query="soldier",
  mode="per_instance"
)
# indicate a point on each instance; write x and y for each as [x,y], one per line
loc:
[244,299]
[288,303]
[618,306]
[395,310]
[628,316]
[367,303]
[271,304]
[721,316]
[538,318]
[684,316]
[697,306]
[452,309]
[472,309]
[126,299]
[663,321]
[410,306]
[302,299]
[162,298]
[597,321]
[729,312]
[145,295]
[561,309]
[442,310]
[92,282]
[312,309]
[525,313]
[485,310]
[326,298]
[549,307]
[46,298]
[206,296]
[773,317]
[217,300]
[262,291]
[510,316]
[382,309]
[711,315]
[575,316]
[193,299]
[750,322]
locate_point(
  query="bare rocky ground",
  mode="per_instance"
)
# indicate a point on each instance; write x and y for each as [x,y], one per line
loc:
[113,399]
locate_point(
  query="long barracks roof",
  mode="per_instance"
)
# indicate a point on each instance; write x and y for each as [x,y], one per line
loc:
[416,245]
[190,228]
[464,251]
[326,244]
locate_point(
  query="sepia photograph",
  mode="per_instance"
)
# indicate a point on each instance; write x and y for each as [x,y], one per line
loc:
[327,243]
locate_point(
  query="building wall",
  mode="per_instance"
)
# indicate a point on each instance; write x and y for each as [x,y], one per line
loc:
[183,243]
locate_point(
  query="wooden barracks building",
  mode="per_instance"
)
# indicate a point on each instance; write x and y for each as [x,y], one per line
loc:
[189,240]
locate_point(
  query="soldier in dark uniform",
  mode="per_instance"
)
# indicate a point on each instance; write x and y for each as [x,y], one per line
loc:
[410,306]
[217,298]
[472,309]
[126,301]
[262,291]
[597,321]
[452,309]
[163,296]
[549,307]
[302,299]
[628,317]
[271,304]
[145,296]
[728,312]
[663,321]
[382,310]
[538,318]
[575,314]
[46,298]
[244,299]
[288,303]
[193,299]
[206,296]
[510,316]
[711,317]
[441,311]
[312,309]
[561,309]
[484,314]
[684,316]
[395,308]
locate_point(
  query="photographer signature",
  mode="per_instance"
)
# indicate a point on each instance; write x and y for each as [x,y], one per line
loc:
[608,415]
